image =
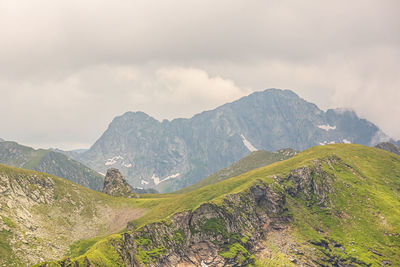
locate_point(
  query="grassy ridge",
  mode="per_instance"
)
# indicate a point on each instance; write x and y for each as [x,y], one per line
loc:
[363,224]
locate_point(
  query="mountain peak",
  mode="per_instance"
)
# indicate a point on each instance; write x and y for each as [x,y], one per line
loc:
[116,185]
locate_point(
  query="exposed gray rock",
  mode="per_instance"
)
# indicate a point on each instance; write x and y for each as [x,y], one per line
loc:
[116,185]
[389,147]
[170,155]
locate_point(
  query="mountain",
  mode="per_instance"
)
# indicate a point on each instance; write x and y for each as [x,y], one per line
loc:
[334,205]
[43,217]
[51,162]
[2,140]
[254,160]
[389,147]
[116,185]
[69,153]
[170,155]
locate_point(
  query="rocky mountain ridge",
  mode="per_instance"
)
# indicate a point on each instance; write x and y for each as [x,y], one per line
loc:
[170,155]
[14,154]
[389,147]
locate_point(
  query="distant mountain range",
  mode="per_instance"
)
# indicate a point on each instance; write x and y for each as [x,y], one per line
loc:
[51,162]
[170,155]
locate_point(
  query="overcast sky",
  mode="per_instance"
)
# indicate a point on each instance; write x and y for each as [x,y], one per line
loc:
[68,67]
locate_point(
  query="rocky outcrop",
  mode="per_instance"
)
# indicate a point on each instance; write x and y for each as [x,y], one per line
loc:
[116,185]
[18,195]
[311,184]
[389,147]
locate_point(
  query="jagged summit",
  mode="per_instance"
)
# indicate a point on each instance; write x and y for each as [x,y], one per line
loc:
[116,185]
[171,155]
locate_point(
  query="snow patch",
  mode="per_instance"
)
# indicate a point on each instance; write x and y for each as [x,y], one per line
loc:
[248,144]
[156,179]
[170,177]
[113,160]
[144,182]
[127,165]
[327,127]
[327,143]
[203,264]
[345,141]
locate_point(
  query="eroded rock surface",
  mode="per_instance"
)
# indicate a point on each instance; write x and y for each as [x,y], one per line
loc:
[116,185]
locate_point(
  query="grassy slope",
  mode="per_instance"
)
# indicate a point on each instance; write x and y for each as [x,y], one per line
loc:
[253,161]
[38,209]
[365,218]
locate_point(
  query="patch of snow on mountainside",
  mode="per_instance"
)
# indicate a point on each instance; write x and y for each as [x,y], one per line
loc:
[345,141]
[144,182]
[127,165]
[327,127]
[170,177]
[113,160]
[156,179]
[248,144]
[327,143]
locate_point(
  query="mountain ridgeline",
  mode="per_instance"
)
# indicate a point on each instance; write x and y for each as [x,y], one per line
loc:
[51,162]
[170,155]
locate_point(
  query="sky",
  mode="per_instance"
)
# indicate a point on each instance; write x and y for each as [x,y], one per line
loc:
[68,67]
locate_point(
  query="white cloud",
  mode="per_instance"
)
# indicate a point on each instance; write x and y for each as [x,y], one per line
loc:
[74,110]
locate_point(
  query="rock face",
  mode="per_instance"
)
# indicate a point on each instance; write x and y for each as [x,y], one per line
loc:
[13,154]
[389,147]
[170,155]
[116,185]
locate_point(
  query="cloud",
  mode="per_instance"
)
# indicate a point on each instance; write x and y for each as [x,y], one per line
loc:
[68,67]
[74,110]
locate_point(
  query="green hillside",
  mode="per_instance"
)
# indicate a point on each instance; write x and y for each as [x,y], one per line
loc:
[41,215]
[51,162]
[331,205]
[253,161]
